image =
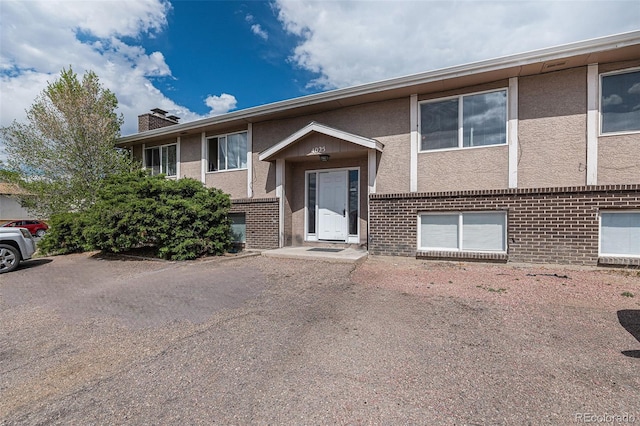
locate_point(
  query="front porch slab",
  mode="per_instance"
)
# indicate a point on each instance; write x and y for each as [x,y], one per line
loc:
[346,255]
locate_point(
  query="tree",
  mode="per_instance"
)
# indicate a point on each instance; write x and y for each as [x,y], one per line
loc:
[67,145]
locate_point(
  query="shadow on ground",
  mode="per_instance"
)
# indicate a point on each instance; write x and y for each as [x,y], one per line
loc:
[34,263]
[630,320]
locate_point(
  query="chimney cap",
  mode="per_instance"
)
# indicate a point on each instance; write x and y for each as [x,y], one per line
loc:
[173,117]
[159,111]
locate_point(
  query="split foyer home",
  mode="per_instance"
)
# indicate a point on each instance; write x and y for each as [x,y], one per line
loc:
[532,157]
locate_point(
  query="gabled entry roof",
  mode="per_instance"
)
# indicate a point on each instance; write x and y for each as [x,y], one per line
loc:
[314,127]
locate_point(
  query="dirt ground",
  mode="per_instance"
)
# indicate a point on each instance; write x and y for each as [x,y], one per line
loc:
[259,340]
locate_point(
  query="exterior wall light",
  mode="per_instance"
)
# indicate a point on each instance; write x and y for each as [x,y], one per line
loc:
[324,157]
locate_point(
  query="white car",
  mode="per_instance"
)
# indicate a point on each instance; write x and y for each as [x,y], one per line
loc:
[16,244]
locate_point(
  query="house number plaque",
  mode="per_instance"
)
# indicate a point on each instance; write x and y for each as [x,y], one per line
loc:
[318,149]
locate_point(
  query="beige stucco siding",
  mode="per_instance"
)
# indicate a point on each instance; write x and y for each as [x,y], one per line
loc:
[386,122]
[494,85]
[552,129]
[233,182]
[464,169]
[190,157]
[315,144]
[164,142]
[619,159]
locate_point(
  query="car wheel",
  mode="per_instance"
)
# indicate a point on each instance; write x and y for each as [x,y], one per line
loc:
[40,233]
[9,258]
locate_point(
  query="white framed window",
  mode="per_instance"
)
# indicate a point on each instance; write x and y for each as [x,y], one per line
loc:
[620,102]
[227,152]
[463,231]
[620,233]
[465,121]
[162,159]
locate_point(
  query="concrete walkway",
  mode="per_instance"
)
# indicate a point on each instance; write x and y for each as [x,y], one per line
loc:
[338,255]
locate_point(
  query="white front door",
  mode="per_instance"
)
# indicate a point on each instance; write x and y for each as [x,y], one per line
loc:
[332,205]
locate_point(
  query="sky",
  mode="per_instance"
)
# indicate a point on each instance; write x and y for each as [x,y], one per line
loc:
[196,59]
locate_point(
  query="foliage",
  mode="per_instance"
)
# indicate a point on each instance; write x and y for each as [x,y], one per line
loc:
[180,218]
[66,147]
[65,234]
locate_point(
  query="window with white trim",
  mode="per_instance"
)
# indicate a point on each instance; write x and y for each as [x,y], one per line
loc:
[227,152]
[620,102]
[478,119]
[620,233]
[463,231]
[162,159]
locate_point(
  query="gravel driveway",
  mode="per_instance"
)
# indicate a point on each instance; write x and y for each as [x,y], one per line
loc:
[259,340]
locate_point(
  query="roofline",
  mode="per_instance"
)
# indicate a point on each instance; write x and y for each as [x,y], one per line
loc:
[540,55]
[268,153]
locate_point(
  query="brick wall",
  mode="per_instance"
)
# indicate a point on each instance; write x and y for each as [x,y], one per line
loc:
[261,217]
[151,122]
[551,225]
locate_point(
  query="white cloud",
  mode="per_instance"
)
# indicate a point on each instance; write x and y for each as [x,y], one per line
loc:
[257,30]
[612,100]
[39,38]
[635,89]
[221,104]
[349,43]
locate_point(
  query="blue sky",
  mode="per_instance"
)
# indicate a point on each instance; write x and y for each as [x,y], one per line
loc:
[201,58]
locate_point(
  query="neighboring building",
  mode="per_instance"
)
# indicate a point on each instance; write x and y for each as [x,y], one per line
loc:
[10,207]
[529,158]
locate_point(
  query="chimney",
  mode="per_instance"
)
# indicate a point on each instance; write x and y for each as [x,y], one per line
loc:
[156,119]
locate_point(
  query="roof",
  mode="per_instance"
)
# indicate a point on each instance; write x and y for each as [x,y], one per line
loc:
[10,189]
[314,127]
[618,47]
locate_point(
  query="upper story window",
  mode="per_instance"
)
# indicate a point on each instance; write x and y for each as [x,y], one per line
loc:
[227,152]
[620,102]
[478,119]
[162,159]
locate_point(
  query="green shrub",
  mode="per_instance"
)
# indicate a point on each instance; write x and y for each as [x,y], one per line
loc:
[180,218]
[65,234]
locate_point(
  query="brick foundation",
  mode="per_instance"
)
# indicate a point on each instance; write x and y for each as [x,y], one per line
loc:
[261,217]
[550,225]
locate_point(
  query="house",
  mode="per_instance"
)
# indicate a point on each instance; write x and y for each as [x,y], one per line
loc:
[532,157]
[10,207]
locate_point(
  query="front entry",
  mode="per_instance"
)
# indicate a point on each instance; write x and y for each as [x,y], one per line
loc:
[332,205]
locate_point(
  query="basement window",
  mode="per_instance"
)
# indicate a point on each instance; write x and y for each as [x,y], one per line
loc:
[463,231]
[620,234]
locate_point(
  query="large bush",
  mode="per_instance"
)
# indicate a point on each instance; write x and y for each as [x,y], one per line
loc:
[65,234]
[180,218]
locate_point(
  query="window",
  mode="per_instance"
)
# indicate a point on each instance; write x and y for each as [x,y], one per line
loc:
[161,159]
[238,227]
[353,202]
[486,231]
[620,102]
[620,234]
[311,203]
[465,121]
[228,152]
